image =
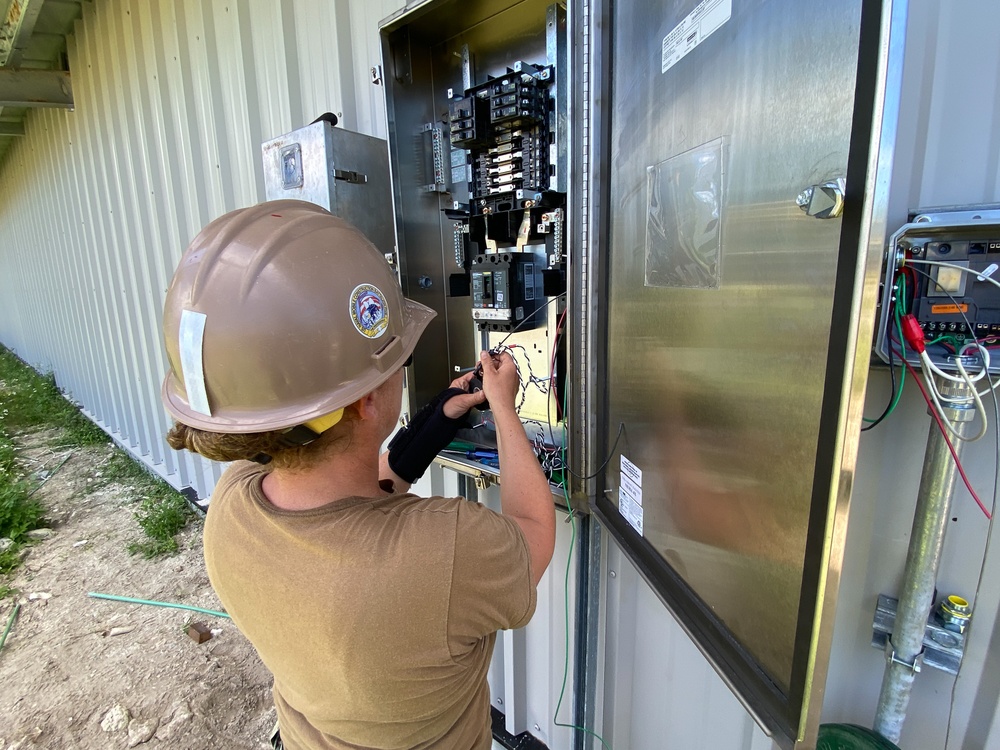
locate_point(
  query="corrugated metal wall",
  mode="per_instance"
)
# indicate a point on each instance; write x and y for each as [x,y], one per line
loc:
[173,99]
[97,204]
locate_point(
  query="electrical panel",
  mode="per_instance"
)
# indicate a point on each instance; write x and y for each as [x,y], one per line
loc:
[942,269]
[479,140]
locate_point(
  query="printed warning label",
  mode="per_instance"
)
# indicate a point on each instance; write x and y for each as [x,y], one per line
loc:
[699,25]
[630,494]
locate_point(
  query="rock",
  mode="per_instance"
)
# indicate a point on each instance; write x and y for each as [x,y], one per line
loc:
[115,719]
[6,543]
[141,731]
[180,714]
[118,631]
[39,534]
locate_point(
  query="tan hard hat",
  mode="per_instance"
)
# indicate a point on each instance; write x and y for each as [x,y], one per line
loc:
[279,314]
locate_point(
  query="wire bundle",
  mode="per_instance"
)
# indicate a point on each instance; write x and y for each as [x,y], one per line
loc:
[908,331]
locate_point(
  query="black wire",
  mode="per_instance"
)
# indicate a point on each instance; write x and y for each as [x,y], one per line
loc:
[528,317]
[621,429]
[892,375]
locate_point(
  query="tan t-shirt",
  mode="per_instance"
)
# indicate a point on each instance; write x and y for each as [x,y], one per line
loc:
[377,617]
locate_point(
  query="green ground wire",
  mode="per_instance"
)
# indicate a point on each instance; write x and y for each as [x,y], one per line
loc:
[569,560]
[130,600]
[10,624]
[900,293]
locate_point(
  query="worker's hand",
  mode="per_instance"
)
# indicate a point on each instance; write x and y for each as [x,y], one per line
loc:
[501,381]
[458,406]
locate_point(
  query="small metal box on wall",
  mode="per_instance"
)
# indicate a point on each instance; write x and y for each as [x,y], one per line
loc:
[346,173]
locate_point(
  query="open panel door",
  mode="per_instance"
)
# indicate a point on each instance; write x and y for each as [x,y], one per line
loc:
[738,153]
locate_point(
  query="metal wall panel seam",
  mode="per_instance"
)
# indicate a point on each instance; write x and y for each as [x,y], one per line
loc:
[217,126]
[94,205]
[100,364]
[153,272]
[102,207]
[118,227]
[194,127]
[160,219]
[346,74]
[63,346]
[80,381]
[242,147]
[250,93]
[273,113]
[292,70]
[184,189]
[317,31]
[138,295]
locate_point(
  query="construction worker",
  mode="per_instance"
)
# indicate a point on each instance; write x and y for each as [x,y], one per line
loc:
[375,610]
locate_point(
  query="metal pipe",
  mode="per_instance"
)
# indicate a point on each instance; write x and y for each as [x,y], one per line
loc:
[930,519]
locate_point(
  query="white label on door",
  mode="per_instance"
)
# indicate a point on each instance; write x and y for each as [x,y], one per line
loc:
[630,494]
[699,25]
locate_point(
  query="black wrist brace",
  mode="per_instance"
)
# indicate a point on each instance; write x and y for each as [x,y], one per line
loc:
[414,447]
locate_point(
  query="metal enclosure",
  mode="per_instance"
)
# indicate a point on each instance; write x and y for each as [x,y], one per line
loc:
[470,238]
[953,307]
[346,173]
[738,159]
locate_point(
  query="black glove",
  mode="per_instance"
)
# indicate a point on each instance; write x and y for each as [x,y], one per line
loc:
[414,447]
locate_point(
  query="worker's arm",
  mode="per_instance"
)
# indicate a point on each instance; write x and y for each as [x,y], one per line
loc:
[525,496]
[414,447]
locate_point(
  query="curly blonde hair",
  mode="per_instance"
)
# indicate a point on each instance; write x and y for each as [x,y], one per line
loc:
[261,446]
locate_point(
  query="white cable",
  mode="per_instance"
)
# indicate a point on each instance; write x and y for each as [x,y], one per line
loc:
[986,366]
[956,378]
[936,399]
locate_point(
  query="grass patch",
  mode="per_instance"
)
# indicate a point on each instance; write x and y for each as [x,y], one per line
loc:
[19,514]
[160,517]
[32,401]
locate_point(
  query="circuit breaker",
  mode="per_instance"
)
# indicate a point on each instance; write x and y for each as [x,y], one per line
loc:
[479,139]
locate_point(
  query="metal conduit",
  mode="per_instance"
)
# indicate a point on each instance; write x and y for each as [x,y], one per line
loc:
[930,519]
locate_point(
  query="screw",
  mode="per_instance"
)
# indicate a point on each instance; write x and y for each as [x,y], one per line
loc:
[499,701]
[424,282]
[612,574]
[538,728]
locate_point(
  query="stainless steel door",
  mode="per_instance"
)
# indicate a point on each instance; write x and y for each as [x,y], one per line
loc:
[730,282]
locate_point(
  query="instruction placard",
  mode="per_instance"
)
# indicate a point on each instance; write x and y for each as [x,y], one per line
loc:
[630,494]
[699,25]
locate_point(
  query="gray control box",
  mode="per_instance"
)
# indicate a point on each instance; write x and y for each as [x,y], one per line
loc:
[346,173]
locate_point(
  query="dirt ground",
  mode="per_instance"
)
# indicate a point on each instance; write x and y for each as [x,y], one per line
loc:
[82,673]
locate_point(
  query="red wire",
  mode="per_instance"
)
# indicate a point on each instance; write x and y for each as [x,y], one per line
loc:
[552,364]
[944,432]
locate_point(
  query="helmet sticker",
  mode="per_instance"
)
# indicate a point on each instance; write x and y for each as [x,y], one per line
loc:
[369,311]
[190,342]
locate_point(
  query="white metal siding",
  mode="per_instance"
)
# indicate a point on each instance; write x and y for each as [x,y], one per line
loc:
[97,204]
